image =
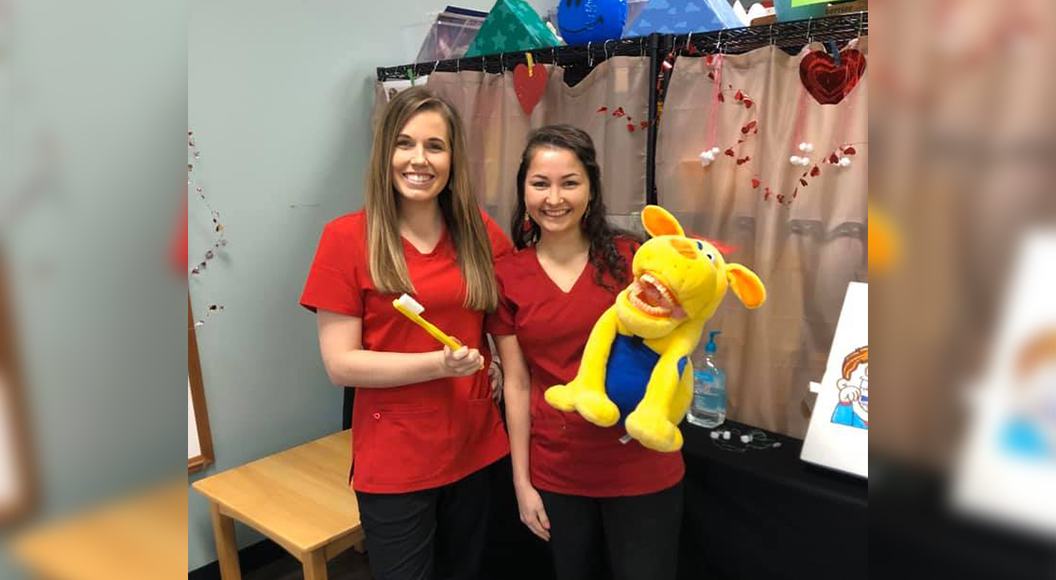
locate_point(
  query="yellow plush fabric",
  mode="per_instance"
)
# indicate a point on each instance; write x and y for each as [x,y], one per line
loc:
[678,284]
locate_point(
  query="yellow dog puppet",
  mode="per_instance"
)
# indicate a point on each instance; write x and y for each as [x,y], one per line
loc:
[636,361]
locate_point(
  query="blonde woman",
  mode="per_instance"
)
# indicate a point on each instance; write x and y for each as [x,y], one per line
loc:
[424,424]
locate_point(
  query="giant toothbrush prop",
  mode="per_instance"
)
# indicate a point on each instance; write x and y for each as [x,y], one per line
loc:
[636,365]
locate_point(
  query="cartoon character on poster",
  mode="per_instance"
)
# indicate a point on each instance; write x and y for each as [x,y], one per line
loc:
[1029,432]
[853,408]
[838,433]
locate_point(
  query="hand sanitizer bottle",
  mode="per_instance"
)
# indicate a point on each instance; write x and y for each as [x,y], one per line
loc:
[709,389]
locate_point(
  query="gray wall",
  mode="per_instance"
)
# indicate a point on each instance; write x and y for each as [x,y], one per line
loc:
[100,95]
[280,95]
[94,100]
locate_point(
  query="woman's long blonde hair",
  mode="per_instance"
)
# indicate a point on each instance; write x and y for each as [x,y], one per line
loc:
[462,216]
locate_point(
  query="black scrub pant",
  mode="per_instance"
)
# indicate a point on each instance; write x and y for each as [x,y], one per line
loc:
[623,538]
[433,534]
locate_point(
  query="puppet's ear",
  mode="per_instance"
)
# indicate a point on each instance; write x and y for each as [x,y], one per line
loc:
[746,285]
[658,222]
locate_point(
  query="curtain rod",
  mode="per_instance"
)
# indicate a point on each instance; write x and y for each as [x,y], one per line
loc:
[789,36]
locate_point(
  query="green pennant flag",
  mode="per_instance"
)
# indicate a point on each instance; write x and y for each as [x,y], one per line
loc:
[511,26]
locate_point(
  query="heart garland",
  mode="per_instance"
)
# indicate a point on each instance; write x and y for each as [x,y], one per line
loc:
[827,81]
[529,83]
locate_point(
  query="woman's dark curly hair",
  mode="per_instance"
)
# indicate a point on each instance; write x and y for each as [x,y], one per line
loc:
[602,235]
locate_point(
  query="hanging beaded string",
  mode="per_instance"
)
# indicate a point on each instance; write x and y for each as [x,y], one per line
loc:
[219,240]
[708,156]
[804,147]
[841,156]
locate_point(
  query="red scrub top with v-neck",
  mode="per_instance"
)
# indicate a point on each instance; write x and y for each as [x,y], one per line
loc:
[421,435]
[566,453]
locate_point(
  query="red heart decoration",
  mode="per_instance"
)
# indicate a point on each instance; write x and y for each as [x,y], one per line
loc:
[529,89]
[827,82]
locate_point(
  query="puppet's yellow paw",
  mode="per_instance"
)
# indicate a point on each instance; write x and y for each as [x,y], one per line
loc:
[597,408]
[562,397]
[654,431]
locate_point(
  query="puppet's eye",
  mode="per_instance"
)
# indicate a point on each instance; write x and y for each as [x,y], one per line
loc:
[700,245]
[710,256]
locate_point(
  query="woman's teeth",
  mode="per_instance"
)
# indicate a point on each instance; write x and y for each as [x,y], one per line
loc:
[555,213]
[418,178]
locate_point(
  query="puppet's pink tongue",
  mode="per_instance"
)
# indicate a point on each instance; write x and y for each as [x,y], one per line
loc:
[650,295]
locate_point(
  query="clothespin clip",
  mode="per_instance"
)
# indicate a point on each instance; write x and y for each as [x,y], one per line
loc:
[531,63]
[834,51]
[410,74]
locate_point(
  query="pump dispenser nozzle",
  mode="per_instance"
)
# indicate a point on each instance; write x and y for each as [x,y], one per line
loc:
[711,347]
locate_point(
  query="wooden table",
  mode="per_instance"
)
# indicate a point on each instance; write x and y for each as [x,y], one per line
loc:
[141,536]
[300,498]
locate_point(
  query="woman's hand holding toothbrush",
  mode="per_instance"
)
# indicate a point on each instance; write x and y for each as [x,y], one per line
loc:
[462,362]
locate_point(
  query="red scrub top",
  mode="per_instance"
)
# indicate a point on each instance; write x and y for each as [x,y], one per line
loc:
[421,435]
[566,453]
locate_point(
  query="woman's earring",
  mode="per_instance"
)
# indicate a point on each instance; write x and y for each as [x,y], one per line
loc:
[527,225]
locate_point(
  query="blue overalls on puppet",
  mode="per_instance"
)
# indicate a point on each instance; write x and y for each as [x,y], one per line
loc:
[627,373]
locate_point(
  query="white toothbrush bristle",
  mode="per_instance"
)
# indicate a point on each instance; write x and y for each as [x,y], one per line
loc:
[411,304]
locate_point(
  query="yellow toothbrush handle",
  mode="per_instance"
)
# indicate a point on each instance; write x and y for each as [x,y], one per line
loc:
[438,334]
[450,341]
[429,327]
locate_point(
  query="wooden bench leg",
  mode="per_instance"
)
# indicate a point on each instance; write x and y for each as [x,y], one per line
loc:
[226,547]
[315,565]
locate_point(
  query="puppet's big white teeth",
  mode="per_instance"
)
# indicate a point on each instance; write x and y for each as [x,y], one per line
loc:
[647,298]
[658,311]
[665,294]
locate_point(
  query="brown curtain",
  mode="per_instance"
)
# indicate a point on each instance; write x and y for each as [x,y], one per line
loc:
[963,119]
[497,128]
[806,242]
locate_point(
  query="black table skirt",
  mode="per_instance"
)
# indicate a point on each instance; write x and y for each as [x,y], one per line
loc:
[762,513]
[756,514]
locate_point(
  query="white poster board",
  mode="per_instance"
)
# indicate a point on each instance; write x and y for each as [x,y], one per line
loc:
[396,86]
[17,476]
[10,470]
[199,435]
[1007,470]
[838,433]
[194,447]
